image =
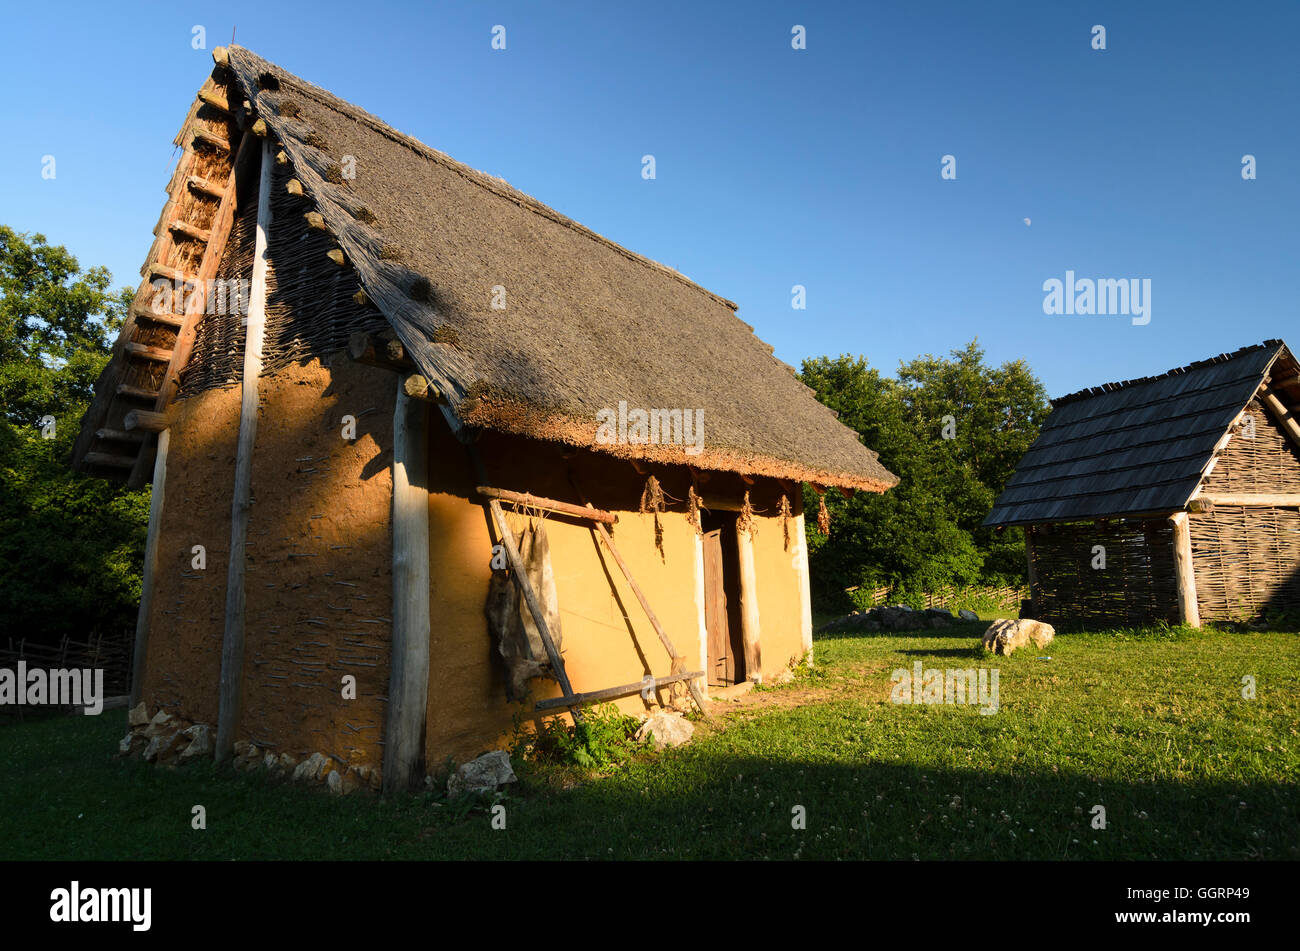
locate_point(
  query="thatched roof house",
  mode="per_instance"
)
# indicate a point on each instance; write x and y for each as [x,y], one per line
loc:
[1170,498]
[348,351]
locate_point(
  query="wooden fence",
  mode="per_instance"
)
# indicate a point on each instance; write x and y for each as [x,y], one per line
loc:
[111,654]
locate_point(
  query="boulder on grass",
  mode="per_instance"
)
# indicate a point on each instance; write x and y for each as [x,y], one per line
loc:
[966,614]
[482,775]
[665,728]
[310,769]
[1004,637]
[132,745]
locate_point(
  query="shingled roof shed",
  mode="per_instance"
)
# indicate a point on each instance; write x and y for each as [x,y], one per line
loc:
[1182,488]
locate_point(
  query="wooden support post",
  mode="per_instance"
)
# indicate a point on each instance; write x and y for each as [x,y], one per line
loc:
[678,660]
[534,607]
[805,587]
[408,681]
[749,624]
[1031,573]
[701,620]
[140,650]
[1189,611]
[232,645]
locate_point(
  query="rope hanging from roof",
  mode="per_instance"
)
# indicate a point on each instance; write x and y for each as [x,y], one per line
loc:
[693,511]
[785,520]
[823,516]
[652,500]
[745,522]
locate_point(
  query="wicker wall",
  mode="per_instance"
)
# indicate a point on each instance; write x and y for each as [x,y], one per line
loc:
[310,311]
[1247,561]
[1136,586]
[1258,458]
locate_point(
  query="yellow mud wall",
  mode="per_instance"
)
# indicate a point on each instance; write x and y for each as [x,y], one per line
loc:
[183,660]
[319,560]
[318,578]
[607,639]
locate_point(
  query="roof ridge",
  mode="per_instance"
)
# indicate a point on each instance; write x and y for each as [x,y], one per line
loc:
[492,183]
[1092,391]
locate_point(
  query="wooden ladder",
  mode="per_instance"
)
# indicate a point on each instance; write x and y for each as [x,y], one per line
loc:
[155,342]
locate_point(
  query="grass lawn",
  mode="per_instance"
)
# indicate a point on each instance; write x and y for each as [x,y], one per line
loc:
[1150,725]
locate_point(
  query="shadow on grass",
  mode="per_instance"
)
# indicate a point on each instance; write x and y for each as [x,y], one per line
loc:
[71,799]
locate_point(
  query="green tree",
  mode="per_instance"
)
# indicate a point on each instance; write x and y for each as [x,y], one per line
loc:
[71,547]
[952,429]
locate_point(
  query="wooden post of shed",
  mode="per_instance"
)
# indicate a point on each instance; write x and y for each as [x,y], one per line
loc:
[408,680]
[1189,611]
[1031,572]
[232,645]
[749,628]
[140,649]
[805,588]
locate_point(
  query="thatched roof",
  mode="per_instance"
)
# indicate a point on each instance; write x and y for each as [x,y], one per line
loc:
[587,323]
[1136,447]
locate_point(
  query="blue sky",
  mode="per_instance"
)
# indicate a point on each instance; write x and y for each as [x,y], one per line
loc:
[775,167]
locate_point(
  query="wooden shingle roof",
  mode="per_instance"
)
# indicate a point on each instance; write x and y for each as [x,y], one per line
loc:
[1136,447]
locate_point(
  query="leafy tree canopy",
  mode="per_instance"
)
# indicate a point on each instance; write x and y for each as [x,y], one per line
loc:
[952,429]
[71,547]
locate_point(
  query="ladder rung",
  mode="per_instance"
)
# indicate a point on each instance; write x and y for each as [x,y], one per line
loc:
[157,354]
[117,435]
[214,99]
[167,320]
[108,459]
[171,273]
[206,187]
[136,392]
[210,138]
[190,231]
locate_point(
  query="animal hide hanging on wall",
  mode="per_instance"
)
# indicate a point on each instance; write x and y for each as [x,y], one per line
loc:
[517,638]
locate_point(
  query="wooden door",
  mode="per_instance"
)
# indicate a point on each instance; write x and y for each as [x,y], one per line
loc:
[722,660]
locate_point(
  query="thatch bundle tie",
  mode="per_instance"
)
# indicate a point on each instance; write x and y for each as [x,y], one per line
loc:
[693,511]
[745,522]
[652,500]
[785,520]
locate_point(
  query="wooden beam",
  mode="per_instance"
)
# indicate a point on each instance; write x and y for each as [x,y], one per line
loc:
[534,606]
[800,562]
[584,512]
[146,420]
[109,461]
[612,693]
[140,649]
[749,620]
[1189,611]
[1276,409]
[232,645]
[408,678]
[678,660]
[1030,572]
[144,352]
[373,350]
[205,187]
[136,392]
[1279,500]
[117,435]
[419,388]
